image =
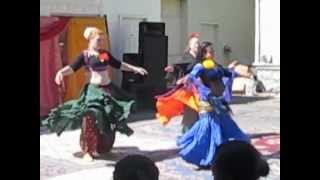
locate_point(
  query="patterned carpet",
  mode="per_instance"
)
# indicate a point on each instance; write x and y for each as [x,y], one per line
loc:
[268,145]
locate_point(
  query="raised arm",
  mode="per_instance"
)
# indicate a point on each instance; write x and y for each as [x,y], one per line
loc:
[125,66]
[132,68]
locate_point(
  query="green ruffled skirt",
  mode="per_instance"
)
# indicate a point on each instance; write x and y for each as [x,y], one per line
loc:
[110,113]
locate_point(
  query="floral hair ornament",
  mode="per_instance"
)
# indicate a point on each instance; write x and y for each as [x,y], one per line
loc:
[103,57]
[208,63]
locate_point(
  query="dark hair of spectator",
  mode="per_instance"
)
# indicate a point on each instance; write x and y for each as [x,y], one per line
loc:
[135,167]
[239,160]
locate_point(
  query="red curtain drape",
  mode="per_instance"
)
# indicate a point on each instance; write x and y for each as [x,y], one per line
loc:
[52,26]
[50,61]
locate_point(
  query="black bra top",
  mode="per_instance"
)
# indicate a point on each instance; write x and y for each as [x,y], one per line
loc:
[95,63]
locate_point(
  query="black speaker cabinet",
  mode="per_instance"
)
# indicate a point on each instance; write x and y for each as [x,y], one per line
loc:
[155,28]
[155,58]
[132,58]
[150,28]
[129,78]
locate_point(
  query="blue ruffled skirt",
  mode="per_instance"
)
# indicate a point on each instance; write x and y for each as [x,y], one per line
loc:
[198,145]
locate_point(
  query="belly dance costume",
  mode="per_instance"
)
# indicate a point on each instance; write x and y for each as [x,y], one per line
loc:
[100,111]
[214,125]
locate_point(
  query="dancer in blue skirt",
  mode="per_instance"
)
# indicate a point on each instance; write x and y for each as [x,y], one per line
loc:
[215,124]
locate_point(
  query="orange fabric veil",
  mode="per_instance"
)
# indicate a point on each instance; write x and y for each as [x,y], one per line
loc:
[172,103]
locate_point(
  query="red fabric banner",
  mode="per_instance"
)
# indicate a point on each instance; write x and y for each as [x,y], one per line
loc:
[52,26]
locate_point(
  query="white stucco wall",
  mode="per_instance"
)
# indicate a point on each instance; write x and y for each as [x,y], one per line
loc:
[270,32]
[151,9]
[235,19]
[267,50]
[83,7]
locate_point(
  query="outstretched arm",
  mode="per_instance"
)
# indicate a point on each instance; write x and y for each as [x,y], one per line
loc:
[125,66]
[69,69]
[196,71]
[232,67]
[132,68]
[244,74]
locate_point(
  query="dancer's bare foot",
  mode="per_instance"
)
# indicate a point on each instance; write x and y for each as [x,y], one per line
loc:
[96,155]
[87,157]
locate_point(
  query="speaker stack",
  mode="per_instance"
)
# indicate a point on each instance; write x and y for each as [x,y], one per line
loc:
[153,56]
[129,78]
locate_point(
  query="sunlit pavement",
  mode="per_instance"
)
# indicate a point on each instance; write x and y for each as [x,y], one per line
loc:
[259,117]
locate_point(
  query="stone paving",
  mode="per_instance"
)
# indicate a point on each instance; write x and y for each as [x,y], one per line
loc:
[58,161]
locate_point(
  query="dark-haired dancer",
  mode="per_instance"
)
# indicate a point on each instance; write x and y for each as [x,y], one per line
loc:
[202,91]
